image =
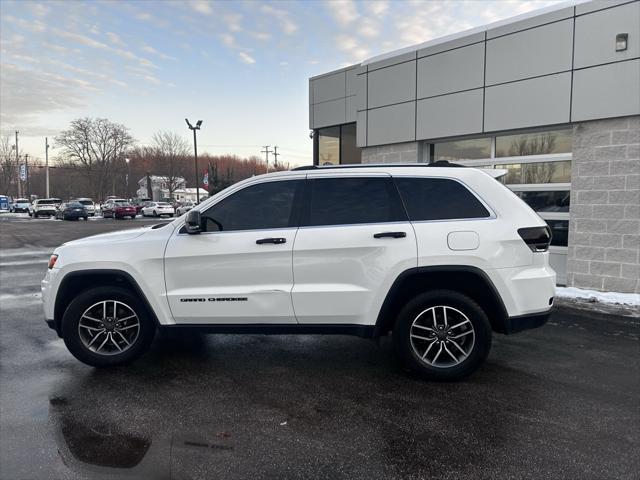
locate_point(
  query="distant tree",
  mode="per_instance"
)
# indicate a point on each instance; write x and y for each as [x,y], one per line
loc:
[171,151]
[8,166]
[98,147]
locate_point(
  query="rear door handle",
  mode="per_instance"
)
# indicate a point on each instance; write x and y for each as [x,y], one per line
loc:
[276,240]
[389,235]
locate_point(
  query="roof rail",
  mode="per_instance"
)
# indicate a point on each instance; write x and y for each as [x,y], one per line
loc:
[439,163]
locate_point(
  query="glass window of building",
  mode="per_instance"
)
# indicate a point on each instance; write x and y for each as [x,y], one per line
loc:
[349,151]
[550,201]
[337,145]
[537,143]
[477,148]
[329,146]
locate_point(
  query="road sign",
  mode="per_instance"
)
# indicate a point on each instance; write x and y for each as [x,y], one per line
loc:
[23,172]
[205,179]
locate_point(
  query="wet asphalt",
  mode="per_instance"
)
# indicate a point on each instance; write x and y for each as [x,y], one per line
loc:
[562,401]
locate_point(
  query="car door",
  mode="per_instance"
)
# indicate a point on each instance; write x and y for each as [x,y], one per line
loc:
[353,242]
[239,269]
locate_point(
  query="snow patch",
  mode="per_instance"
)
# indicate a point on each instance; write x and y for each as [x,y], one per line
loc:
[632,299]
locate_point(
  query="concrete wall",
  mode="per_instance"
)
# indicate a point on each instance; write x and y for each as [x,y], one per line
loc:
[604,226]
[555,68]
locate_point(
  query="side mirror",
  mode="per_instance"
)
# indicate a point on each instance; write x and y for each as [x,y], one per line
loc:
[192,222]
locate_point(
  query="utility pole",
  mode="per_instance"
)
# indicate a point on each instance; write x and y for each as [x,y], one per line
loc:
[195,154]
[266,151]
[18,166]
[26,172]
[275,157]
[46,165]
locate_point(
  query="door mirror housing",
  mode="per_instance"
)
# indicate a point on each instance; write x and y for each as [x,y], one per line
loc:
[192,223]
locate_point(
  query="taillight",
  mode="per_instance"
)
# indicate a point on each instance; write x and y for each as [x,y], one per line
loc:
[52,261]
[537,238]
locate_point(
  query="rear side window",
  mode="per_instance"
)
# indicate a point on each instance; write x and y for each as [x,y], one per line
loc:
[257,207]
[348,201]
[438,199]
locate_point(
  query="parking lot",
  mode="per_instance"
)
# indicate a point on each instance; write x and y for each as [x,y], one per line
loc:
[562,401]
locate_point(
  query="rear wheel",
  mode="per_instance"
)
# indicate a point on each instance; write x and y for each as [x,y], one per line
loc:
[442,335]
[107,326]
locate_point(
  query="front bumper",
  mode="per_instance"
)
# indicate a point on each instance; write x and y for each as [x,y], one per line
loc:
[526,322]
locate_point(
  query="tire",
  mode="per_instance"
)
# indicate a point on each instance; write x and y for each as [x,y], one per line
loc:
[78,339]
[424,348]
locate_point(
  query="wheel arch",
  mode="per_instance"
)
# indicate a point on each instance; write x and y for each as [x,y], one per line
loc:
[77,282]
[468,280]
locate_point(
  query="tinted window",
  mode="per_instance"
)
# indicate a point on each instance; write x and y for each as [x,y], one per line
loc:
[547,201]
[438,199]
[258,207]
[559,232]
[345,201]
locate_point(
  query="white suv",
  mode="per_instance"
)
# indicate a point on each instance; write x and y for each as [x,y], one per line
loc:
[439,256]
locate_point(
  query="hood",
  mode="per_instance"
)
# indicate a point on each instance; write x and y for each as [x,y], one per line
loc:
[119,236]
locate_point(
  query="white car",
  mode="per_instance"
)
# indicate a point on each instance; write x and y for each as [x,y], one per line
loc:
[184,208]
[44,207]
[89,206]
[158,209]
[440,256]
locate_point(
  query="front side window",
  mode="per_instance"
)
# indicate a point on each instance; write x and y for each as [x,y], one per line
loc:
[348,201]
[257,207]
[438,199]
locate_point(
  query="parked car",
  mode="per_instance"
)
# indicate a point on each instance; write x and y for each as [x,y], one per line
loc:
[158,209]
[118,208]
[440,256]
[44,207]
[140,204]
[73,210]
[89,205]
[20,205]
[184,208]
[5,206]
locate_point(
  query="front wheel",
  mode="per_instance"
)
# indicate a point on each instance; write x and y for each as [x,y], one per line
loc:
[442,335]
[106,327]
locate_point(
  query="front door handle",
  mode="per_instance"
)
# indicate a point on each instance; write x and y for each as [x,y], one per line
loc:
[277,240]
[389,235]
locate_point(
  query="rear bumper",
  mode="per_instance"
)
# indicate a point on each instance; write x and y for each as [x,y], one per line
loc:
[526,322]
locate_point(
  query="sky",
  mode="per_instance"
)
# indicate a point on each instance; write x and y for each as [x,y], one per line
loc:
[240,66]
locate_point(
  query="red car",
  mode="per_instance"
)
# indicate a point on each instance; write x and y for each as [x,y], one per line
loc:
[118,208]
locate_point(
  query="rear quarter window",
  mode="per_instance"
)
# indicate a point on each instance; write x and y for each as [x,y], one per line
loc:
[439,199]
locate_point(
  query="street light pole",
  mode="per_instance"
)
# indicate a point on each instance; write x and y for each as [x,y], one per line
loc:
[26,172]
[127,160]
[195,154]
[18,167]
[46,165]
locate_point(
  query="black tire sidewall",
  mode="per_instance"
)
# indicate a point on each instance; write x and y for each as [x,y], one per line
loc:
[471,309]
[77,307]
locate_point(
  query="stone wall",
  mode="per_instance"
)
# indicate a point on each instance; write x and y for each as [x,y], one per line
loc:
[409,152]
[604,227]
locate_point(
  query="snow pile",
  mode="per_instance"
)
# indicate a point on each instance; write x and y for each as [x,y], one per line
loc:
[573,293]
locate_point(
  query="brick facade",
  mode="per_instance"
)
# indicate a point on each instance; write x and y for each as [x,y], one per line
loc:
[604,227]
[409,152]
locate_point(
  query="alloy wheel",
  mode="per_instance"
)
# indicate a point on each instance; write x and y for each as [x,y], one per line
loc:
[442,336]
[109,327]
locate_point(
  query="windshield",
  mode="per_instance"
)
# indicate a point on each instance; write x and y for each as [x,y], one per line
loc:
[46,202]
[22,200]
[74,205]
[85,202]
[163,204]
[121,203]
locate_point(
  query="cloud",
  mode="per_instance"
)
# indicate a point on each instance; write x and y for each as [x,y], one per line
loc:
[233,21]
[262,36]
[201,6]
[344,12]
[368,28]
[115,39]
[153,51]
[377,7]
[228,40]
[246,58]
[351,45]
[38,9]
[288,26]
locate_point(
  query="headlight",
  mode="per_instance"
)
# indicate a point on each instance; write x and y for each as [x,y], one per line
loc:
[52,261]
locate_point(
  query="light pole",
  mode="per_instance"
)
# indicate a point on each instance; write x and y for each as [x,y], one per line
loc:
[195,153]
[127,160]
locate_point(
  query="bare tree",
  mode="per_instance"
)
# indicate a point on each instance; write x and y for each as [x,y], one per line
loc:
[98,146]
[172,152]
[8,167]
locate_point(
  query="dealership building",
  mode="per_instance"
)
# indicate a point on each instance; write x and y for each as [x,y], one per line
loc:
[552,96]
